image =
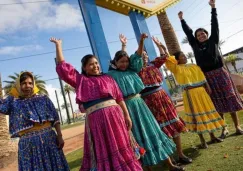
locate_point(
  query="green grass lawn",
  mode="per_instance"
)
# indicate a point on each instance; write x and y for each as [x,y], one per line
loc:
[225,156]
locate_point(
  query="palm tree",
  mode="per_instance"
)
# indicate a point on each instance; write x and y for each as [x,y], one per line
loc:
[168,33]
[232,58]
[8,149]
[69,89]
[185,40]
[190,55]
[39,83]
[64,107]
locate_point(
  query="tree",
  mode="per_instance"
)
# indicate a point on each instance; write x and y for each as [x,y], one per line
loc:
[39,83]
[190,55]
[185,40]
[232,58]
[8,149]
[68,89]
[168,33]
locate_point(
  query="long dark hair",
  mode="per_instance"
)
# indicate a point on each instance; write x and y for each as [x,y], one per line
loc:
[85,61]
[177,55]
[119,54]
[26,75]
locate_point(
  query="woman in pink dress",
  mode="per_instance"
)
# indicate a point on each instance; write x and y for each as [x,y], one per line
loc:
[106,141]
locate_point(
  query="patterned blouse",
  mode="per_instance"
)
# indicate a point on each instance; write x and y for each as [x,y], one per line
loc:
[23,113]
[151,75]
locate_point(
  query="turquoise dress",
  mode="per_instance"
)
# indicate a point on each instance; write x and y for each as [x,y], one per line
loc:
[145,128]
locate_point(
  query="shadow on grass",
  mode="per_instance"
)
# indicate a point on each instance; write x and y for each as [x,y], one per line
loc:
[75,164]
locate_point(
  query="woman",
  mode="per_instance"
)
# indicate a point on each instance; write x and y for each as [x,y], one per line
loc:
[206,49]
[158,101]
[201,116]
[31,117]
[145,128]
[106,141]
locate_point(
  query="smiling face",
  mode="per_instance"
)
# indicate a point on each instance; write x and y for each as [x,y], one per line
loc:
[201,36]
[122,63]
[92,67]
[27,86]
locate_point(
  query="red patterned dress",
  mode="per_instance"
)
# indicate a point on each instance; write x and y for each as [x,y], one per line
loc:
[158,101]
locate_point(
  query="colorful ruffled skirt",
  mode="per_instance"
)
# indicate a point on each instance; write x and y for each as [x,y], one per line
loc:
[164,112]
[111,142]
[224,94]
[200,113]
[147,133]
[38,151]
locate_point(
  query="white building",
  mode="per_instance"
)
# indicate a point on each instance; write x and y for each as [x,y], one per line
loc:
[239,64]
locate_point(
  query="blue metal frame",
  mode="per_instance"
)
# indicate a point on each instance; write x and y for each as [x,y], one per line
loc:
[95,32]
[140,26]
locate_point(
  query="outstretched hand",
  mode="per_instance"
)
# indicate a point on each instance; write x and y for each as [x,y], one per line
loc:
[180,15]
[144,36]
[56,41]
[123,39]
[212,3]
[156,41]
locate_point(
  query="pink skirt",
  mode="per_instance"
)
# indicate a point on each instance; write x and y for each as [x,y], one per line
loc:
[111,142]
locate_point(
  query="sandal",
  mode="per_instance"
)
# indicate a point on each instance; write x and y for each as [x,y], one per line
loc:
[224,134]
[185,160]
[178,168]
[239,132]
[216,140]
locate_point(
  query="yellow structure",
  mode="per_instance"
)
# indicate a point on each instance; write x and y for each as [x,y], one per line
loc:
[147,7]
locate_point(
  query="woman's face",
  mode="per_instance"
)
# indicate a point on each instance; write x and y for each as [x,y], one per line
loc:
[182,59]
[27,87]
[201,36]
[122,63]
[145,58]
[92,67]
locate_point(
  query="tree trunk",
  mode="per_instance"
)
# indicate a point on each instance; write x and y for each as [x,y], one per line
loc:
[191,60]
[234,65]
[8,148]
[168,33]
[71,104]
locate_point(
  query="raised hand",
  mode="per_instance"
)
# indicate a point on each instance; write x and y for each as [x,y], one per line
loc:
[212,3]
[180,15]
[56,41]
[144,36]
[123,39]
[156,41]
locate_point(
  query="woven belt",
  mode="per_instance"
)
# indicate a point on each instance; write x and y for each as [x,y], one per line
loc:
[101,105]
[36,127]
[132,96]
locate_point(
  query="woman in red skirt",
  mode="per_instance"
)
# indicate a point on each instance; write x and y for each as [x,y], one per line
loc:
[158,101]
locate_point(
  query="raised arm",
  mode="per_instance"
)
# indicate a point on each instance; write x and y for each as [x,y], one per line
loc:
[214,23]
[59,54]
[159,61]
[64,70]
[187,30]
[136,61]
[123,40]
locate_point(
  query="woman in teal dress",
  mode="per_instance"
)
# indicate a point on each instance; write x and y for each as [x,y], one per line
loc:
[145,128]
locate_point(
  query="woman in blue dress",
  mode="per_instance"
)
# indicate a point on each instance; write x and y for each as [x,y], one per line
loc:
[31,118]
[145,128]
